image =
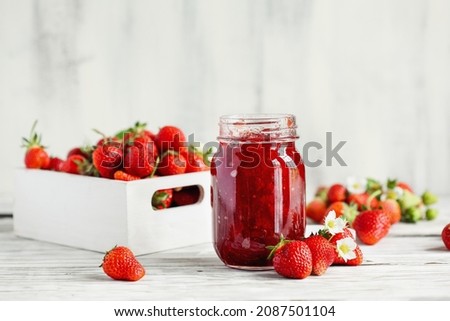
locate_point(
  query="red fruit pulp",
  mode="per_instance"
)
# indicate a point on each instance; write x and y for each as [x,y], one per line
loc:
[446,236]
[258,193]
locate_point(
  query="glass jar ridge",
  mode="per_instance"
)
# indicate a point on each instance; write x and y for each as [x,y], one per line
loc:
[253,127]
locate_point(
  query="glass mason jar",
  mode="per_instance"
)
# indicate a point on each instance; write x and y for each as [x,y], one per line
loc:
[258,188]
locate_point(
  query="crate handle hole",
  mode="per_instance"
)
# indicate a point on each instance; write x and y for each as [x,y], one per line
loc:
[177,197]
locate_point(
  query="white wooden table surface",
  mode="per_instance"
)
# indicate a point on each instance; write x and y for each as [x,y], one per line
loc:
[411,263]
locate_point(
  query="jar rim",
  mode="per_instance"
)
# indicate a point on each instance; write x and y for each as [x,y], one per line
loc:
[257,118]
[258,127]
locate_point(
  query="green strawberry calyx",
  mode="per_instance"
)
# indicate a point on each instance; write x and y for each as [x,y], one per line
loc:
[274,248]
[34,140]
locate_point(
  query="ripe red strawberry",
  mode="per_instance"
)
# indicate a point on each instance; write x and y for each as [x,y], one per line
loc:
[446,236]
[293,259]
[339,236]
[316,210]
[35,157]
[140,158]
[86,152]
[392,209]
[162,199]
[172,163]
[337,193]
[405,186]
[323,253]
[121,264]
[361,201]
[195,161]
[122,176]
[339,260]
[186,196]
[56,164]
[371,226]
[171,137]
[74,164]
[138,130]
[358,260]
[349,212]
[107,159]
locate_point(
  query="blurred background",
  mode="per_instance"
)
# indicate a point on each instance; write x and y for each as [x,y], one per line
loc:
[375,74]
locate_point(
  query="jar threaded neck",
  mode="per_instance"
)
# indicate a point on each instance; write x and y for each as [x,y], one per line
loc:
[257,128]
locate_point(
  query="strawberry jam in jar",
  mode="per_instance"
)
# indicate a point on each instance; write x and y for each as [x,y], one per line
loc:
[258,188]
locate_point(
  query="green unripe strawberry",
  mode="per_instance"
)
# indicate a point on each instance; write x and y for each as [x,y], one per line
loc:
[429,198]
[431,214]
[412,215]
[408,200]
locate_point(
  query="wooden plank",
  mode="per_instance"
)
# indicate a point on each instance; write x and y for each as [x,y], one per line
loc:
[398,268]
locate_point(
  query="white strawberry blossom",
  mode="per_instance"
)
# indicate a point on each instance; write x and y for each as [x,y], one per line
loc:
[334,225]
[346,248]
[399,191]
[356,186]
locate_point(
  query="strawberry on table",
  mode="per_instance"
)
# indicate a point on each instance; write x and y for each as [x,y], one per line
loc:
[348,212]
[121,264]
[323,253]
[431,214]
[337,193]
[392,209]
[292,259]
[361,201]
[429,198]
[405,186]
[36,156]
[316,210]
[371,226]
[357,260]
[446,236]
[347,251]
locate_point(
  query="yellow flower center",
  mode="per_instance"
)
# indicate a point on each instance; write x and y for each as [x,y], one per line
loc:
[344,248]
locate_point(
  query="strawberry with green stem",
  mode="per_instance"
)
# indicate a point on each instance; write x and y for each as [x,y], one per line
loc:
[172,163]
[162,199]
[196,160]
[107,158]
[322,251]
[141,157]
[291,259]
[36,156]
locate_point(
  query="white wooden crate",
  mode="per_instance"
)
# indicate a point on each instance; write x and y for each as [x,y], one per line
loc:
[96,214]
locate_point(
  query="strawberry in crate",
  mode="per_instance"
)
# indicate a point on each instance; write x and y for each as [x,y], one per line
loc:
[131,154]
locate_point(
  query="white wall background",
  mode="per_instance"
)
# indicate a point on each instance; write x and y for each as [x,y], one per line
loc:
[375,73]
